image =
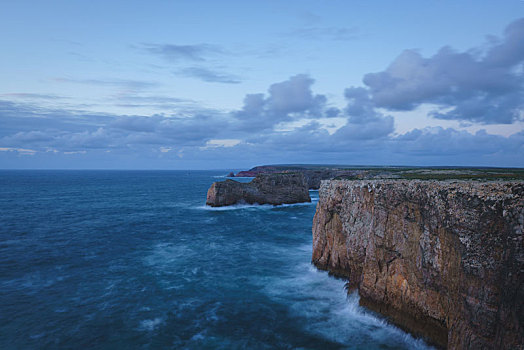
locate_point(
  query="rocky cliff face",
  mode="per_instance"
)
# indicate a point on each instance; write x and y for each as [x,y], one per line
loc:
[313,176]
[444,260]
[264,189]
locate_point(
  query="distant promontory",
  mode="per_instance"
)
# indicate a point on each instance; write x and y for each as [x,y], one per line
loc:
[315,173]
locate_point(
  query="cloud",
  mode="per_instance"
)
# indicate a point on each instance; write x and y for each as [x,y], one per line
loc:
[136,123]
[27,126]
[22,151]
[25,117]
[165,103]
[447,142]
[213,140]
[98,139]
[325,33]
[295,96]
[360,108]
[288,100]
[153,99]
[220,143]
[484,86]
[429,146]
[176,53]
[122,83]
[31,96]
[209,75]
[308,17]
[510,50]
[200,53]
[374,129]
[287,123]
[27,137]
[195,130]
[363,121]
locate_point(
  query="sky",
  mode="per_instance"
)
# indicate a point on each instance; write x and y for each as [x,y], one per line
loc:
[162,84]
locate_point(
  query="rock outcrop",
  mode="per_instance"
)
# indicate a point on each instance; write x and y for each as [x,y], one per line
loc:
[444,260]
[313,176]
[272,189]
[315,173]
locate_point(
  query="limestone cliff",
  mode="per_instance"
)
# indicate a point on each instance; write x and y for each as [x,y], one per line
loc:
[313,176]
[444,260]
[264,189]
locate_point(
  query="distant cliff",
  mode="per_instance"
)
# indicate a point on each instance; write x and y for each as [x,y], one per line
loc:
[441,259]
[313,176]
[264,189]
[315,173]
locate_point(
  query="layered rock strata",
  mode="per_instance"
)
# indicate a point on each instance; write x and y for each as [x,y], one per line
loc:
[272,189]
[444,260]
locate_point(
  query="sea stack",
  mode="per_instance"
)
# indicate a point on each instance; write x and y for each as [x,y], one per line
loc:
[272,189]
[441,259]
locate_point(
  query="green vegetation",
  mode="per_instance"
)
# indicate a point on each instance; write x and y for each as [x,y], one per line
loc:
[479,174]
[482,176]
[404,172]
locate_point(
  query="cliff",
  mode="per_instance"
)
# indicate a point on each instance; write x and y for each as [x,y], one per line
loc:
[444,260]
[315,173]
[264,189]
[313,176]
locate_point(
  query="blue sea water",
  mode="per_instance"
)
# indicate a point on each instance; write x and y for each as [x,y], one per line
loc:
[135,260]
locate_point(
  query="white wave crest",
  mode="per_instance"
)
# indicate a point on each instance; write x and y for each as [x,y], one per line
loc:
[254,206]
[150,325]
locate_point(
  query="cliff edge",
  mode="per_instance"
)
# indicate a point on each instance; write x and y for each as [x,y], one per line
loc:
[264,189]
[313,176]
[444,260]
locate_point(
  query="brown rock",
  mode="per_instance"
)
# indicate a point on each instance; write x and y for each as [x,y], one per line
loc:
[444,260]
[312,176]
[272,189]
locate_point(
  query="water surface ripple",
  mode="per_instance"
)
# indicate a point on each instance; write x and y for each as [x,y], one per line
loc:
[134,260]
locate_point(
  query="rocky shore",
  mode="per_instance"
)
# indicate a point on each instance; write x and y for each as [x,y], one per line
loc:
[275,189]
[441,259]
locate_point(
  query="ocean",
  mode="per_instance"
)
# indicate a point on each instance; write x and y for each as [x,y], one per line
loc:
[135,260]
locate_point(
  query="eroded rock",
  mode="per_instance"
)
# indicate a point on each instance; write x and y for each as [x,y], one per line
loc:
[444,260]
[312,176]
[272,189]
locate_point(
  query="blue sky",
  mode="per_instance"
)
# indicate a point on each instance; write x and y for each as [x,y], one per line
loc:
[232,84]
